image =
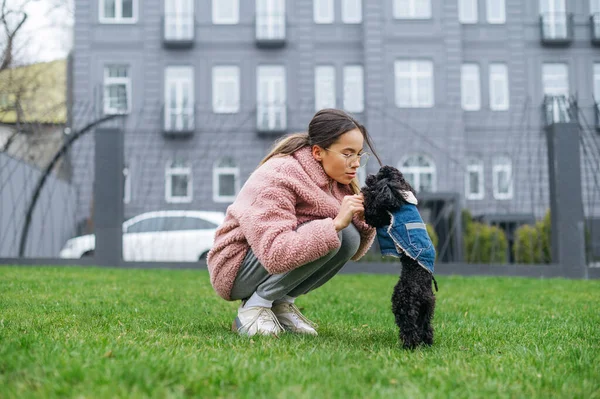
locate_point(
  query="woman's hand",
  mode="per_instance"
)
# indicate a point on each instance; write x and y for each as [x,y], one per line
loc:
[351,205]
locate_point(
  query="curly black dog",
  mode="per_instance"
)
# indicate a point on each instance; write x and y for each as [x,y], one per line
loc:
[388,199]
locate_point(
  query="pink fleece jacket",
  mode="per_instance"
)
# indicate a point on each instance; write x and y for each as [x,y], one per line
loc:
[282,194]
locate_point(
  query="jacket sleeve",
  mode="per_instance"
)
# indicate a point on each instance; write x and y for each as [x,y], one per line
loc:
[268,221]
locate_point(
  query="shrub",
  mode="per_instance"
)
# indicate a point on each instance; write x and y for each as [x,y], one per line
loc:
[485,244]
[532,243]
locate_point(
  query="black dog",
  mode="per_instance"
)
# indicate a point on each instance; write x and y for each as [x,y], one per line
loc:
[413,301]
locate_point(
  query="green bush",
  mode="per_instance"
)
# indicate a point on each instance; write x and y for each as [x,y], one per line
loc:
[532,243]
[483,243]
[433,235]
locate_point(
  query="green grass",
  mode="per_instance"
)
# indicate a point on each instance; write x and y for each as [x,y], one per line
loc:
[95,333]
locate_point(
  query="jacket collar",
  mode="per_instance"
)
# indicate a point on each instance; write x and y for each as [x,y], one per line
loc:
[312,167]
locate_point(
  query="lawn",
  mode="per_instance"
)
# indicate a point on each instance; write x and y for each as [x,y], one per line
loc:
[104,333]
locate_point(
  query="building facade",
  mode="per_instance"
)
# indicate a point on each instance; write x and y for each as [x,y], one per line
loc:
[451,91]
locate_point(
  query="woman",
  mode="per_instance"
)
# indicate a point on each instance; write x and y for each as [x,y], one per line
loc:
[295,223]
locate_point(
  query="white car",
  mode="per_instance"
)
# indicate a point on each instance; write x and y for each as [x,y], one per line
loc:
[179,236]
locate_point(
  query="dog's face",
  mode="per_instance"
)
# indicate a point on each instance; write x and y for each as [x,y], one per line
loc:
[382,194]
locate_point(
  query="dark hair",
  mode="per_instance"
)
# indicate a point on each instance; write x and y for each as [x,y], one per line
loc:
[323,130]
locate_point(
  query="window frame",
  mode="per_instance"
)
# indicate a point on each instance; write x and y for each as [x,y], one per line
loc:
[320,81]
[500,166]
[505,83]
[544,74]
[492,19]
[320,19]
[234,20]
[179,78]
[184,15]
[225,170]
[470,73]
[118,19]
[110,81]
[219,75]
[474,165]
[171,171]
[262,75]
[473,7]
[419,170]
[397,9]
[356,6]
[418,68]
[359,81]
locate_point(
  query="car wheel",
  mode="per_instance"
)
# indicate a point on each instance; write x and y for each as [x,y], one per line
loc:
[88,254]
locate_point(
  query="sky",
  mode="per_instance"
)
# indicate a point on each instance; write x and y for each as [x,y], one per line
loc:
[47,34]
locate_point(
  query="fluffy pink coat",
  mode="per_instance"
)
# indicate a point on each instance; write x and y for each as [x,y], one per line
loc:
[278,197]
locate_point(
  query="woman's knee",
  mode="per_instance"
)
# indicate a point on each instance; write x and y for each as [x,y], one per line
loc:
[350,239]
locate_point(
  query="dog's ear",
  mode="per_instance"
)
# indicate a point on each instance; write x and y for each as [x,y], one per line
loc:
[380,196]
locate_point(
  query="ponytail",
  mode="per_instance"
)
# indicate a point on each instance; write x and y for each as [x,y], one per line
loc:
[287,145]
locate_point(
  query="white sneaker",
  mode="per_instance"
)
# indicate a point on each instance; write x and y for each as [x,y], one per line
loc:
[292,320]
[256,320]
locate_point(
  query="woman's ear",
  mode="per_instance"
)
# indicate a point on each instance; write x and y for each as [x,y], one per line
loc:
[317,153]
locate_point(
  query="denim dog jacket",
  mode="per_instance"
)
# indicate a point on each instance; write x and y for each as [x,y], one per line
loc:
[407,234]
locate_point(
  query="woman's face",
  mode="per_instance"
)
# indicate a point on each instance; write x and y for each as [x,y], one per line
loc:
[334,159]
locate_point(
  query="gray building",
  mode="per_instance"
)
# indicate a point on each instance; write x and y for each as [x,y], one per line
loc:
[452,91]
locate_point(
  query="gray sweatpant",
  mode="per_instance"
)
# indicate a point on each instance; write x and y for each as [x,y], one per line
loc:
[253,277]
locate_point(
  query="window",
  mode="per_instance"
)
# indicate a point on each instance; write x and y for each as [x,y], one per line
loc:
[555,79]
[496,11]
[126,185]
[323,11]
[412,9]
[270,19]
[467,11]
[118,11]
[148,225]
[499,95]
[226,89]
[324,87]
[225,12]
[354,100]
[225,180]
[594,6]
[186,223]
[554,18]
[414,84]
[117,90]
[597,83]
[474,180]
[352,11]
[271,92]
[179,19]
[502,178]
[178,187]
[470,87]
[419,170]
[179,98]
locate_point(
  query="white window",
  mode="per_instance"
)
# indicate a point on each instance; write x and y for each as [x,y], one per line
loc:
[555,79]
[226,89]
[414,84]
[324,87]
[178,182]
[126,185]
[352,11]
[474,180]
[323,11]
[502,178]
[468,11]
[496,11]
[118,11]
[179,98]
[470,87]
[412,9]
[499,95]
[117,90]
[594,6]
[271,98]
[270,19]
[179,20]
[226,180]
[225,12]
[597,83]
[354,98]
[420,172]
